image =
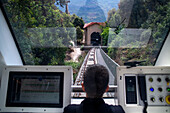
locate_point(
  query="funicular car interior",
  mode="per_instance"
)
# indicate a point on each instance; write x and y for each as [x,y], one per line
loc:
[49,88]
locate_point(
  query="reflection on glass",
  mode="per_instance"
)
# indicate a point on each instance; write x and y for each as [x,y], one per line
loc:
[35,89]
[60,32]
[91,12]
[52,37]
[129,38]
[89,7]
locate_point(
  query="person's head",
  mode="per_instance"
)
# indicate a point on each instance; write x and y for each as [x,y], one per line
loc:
[96,79]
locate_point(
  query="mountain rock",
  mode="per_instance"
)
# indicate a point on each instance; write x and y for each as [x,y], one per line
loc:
[81,7]
[91,12]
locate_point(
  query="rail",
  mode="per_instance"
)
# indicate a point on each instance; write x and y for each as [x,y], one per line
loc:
[112,88]
[90,59]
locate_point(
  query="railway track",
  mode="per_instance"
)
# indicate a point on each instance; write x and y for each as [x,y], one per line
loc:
[90,59]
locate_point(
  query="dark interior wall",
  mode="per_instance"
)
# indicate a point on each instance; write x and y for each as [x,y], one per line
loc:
[95,39]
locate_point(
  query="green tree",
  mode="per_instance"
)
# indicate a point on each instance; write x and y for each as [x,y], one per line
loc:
[79,32]
[111,13]
[41,29]
[78,22]
[61,2]
[105,35]
[149,15]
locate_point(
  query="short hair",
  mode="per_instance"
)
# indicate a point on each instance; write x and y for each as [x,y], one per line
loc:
[96,79]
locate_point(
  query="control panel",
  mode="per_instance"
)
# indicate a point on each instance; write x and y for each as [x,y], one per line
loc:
[144,89]
[158,89]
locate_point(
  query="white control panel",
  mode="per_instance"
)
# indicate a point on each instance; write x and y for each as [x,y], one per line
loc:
[144,89]
[158,89]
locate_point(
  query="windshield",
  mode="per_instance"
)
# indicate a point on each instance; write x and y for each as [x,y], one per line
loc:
[61,32]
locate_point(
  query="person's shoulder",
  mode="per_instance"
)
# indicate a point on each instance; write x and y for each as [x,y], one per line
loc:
[71,108]
[112,109]
[116,109]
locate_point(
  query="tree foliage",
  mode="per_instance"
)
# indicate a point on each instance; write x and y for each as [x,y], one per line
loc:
[150,15]
[79,33]
[105,35]
[61,2]
[111,13]
[78,22]
[41,29]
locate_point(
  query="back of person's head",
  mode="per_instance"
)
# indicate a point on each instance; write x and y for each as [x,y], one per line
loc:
[96,80]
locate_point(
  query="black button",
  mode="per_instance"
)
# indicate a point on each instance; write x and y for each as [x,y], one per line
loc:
[167,79]
[153,99]
[160,89]
[159,79]
[161,99]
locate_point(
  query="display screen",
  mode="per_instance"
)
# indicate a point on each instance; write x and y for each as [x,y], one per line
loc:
[131,95]
[131,88]
[35,89]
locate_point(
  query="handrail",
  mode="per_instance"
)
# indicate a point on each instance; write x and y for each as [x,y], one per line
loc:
[112,88]
[112,65]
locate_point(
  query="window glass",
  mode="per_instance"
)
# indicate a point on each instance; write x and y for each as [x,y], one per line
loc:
[60,32]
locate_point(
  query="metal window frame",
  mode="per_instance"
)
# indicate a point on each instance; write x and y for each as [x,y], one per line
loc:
[161,47]
[12,32]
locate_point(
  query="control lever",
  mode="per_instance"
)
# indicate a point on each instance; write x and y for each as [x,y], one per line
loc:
[142,91]
[133,63]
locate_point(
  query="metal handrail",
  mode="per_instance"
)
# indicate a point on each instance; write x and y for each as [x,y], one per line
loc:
[112,88]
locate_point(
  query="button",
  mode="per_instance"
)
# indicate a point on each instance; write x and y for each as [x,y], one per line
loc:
[161,99]
[151,89]
[150,79]
[160,89]
[167,99]
[167,79]
[159,79]
[152,99]
[168,89]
